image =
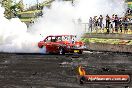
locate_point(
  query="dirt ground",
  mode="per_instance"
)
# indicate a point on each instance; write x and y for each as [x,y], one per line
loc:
[60,71]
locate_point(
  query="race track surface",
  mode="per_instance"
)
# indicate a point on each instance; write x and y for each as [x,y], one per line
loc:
[60,71]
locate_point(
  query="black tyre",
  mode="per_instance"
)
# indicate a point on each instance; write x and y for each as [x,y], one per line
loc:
[43,50]
[61,51]
[80,52]
[82,80]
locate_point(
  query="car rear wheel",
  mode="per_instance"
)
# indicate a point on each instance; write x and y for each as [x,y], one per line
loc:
[61,51]
[43,50]
[80,52]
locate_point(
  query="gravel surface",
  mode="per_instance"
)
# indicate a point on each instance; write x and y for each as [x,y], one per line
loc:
[60,71]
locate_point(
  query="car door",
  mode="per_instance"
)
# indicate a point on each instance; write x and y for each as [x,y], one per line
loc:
[54,44]
[48,44]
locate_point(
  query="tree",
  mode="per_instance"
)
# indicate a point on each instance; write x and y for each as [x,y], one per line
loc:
[17,7]
[20,5]
[11,8]
[7,5]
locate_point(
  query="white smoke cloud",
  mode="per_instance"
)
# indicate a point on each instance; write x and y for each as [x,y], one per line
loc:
[87,8]
[57,20]
[14,36]
[61,18]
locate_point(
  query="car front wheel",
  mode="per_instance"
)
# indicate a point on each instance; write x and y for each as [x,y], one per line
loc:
[61,51]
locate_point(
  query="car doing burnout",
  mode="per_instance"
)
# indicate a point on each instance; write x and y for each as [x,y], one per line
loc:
[61,44]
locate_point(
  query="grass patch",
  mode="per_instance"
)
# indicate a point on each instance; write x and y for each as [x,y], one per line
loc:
[27,20]
[107,41]
[29,12]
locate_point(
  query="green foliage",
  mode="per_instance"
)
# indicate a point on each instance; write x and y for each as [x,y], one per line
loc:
[7,5]
[27,19]
[11,8]
[107,41]
[129,0]
[30,12]
[86,40]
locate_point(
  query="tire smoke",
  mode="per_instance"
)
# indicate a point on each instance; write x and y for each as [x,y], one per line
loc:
[61,18]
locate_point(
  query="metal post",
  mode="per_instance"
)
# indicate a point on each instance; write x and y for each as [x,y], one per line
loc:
[37,4]
[72,2]
[85,26]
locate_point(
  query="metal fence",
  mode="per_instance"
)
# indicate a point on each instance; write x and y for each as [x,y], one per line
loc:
[97,29]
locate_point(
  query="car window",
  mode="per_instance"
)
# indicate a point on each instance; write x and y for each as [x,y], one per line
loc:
[59,38]
[65,38]
[53,39]
[48,39]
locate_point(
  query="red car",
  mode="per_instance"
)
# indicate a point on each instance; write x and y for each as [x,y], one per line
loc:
[61,44]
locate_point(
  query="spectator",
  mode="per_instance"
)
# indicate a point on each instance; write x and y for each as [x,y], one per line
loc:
[107,23]
[90,24]
[100,21]
[112,23]
[120,24]
[116,20]
[125,24]
[96,24]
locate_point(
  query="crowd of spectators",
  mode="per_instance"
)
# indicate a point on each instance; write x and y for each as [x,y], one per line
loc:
[112,23]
